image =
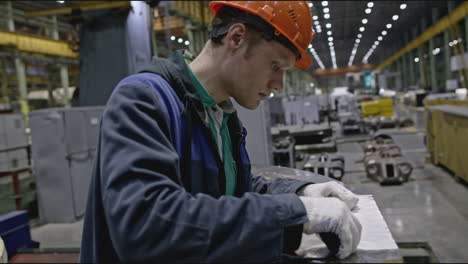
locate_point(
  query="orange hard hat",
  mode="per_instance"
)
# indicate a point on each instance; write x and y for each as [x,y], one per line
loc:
[292,19]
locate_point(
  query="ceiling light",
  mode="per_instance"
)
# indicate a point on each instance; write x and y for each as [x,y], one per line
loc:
[326,10]
[416,59]
[324,3]
[395,17]
[311,5]
[359,35]
[358,40]
[402,6]
[315,17]
[330,38]
[389,25]
[376,42]
[384,33]
[180,40]
[380,38]
[374,46]
[326,16]
[60,2]
[329,33]
[310,46]
[455,42]
[368,10]
[330,44]
[187,42]
[316,23]
[319,30]
[362,29]
[450,44]
[370,4]
[328,25]
[173,37]
[364,21]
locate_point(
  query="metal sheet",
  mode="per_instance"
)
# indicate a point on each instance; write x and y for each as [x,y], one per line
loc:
[63,145]
[376,246]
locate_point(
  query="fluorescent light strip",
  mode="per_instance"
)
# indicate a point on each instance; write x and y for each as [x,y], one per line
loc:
[384,32]
[316,57]
[364,21]
[330,38]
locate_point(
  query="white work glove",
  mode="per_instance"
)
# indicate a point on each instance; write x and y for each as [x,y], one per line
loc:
[332,215]
[330,189]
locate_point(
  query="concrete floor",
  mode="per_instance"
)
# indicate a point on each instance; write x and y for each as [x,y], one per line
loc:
[432,207]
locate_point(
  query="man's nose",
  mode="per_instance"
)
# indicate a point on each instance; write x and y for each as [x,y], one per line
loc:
[277,82]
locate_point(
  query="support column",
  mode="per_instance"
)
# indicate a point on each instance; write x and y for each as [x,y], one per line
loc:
[404,77]
[435,14]
[422,73]
[398,77]
[448,73]
[10,21]
[55,32]
[65,84]
[22,86]
[63,67]
[19,66]
[466,32]
[411,65]
[447,50]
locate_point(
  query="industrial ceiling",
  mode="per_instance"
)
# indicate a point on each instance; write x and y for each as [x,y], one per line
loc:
[348,32]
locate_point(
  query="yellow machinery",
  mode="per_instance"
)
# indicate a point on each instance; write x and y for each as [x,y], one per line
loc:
[381,107]
[446,130]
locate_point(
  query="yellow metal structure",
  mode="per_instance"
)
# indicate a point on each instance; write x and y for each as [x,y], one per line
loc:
[33,44]
[443,24]
[84,6]
[197,9]
[446,138]
[381,107]
[445,101]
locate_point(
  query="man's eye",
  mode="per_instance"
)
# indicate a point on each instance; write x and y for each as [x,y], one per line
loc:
[275,67]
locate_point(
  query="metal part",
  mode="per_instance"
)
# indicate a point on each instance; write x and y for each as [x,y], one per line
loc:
[384,162]
[326,164]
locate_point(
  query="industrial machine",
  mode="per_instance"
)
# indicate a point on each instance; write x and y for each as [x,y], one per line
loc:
[384,162]
[329,165]
[283,150]
[349,115]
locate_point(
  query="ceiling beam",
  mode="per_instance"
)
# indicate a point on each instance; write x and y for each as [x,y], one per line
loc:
[83,6]
[443,24]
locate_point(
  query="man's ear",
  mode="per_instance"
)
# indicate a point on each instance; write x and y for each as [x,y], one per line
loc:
[236,36]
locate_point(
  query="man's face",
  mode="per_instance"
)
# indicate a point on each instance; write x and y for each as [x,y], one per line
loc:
[257,71]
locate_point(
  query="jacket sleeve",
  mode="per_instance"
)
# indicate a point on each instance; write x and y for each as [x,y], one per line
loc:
[277,185]
[152,218]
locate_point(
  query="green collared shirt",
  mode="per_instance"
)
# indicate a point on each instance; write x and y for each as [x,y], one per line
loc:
[216,117]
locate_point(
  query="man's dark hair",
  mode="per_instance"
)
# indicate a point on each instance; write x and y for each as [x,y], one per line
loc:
[228,16]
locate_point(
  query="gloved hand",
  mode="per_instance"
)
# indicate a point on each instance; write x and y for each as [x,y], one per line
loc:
[332,215]
[330,189]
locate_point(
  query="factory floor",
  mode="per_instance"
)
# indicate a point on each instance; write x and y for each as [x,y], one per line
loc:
[432,207]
